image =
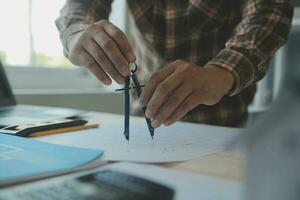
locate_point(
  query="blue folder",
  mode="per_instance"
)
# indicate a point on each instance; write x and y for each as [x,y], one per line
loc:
[23,157]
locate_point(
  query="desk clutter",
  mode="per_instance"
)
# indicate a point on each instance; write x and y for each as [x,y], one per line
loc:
[48,127]
[41,160]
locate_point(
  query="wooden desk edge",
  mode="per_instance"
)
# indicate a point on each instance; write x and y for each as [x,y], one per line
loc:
[226,165]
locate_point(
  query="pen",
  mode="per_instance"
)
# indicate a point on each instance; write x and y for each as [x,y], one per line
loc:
[63,130]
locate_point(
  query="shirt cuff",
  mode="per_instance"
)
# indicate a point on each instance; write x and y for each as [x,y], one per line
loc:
[240,67]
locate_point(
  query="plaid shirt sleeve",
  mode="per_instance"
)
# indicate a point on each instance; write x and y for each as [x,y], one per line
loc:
[77,15]
[264,28]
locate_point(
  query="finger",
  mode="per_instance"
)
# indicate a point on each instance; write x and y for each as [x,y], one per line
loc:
[170,105]
[92,65]
[103,62]
[113,52]
[120,38]
[188,104]
[163,90]
[152,84]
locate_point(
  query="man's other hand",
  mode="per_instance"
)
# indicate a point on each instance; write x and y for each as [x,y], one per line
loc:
[103,49]
[179,87]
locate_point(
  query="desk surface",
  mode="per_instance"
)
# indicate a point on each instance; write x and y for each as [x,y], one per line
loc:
[224,164]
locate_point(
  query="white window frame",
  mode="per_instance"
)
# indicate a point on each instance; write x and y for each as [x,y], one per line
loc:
[46,80]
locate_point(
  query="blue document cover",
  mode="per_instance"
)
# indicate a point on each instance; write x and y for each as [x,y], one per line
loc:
[22,157]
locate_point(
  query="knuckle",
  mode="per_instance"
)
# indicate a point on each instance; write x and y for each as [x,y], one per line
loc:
[214,99]
[174,117]
[184,106]
[116,33]
[189,72]
[108,44]
[111,71]
[100,76]
[154,77]
[99,56]
[90,29]
[97,31]
[162,88]
[103,21]
[160,117]
[153,104]
[83,40]
[163,114]
[151,107]
[178,61]
[120,63]
[90,65]
[174,99]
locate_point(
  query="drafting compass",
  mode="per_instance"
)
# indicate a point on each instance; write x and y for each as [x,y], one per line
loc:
[138,87]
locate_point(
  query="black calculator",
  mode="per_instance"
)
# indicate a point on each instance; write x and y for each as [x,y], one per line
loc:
[103,185]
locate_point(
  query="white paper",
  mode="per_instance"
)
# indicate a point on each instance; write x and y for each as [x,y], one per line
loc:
[179,142]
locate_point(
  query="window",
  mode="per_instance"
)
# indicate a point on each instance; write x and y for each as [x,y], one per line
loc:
[30,45]
[30,37]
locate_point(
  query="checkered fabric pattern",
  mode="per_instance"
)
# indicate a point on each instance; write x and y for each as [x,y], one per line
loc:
[237,35]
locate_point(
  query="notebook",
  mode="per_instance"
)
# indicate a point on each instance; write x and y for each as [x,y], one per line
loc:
[23,159]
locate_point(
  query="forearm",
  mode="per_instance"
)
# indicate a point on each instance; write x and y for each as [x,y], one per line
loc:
[264,28]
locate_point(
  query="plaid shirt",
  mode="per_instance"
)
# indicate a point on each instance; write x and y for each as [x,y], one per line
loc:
[237,35]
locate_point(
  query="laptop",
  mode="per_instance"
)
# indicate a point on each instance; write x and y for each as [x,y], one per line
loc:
[13,114]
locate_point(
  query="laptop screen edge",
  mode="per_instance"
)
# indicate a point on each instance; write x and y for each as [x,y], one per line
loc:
[7,97]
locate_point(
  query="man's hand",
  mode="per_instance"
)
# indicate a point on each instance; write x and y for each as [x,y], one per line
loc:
[103,49]
[181,86]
